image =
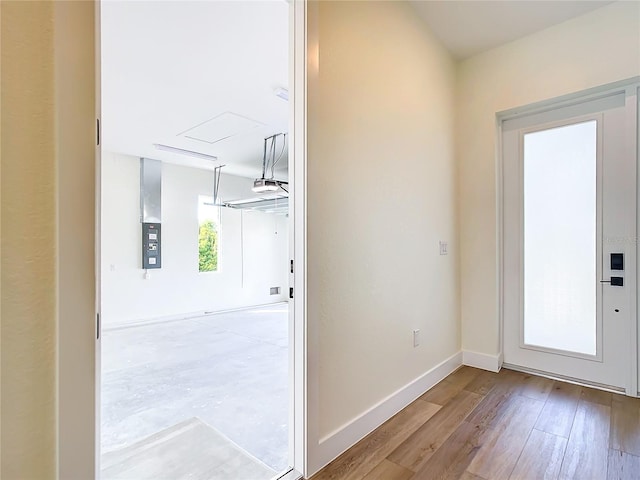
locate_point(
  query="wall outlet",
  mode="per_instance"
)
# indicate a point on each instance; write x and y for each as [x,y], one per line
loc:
[416,338]
[444,248]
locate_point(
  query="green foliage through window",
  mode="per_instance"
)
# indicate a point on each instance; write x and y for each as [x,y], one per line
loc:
[208,246]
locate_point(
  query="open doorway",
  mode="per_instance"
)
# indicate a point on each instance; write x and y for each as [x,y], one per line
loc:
[195,346]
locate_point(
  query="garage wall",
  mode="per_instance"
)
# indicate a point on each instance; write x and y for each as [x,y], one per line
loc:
[253,252]
[597,48]
[381,194]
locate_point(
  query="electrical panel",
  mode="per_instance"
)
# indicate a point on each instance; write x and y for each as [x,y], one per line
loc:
[151,250]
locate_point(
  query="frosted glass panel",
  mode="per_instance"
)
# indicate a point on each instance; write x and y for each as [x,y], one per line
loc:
[560,238]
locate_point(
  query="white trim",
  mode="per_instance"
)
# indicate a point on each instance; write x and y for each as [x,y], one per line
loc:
[633,103]
[492,363]
[97,447]
[565,100]
[499,164]
[340,440]
[309,358]
[298,438]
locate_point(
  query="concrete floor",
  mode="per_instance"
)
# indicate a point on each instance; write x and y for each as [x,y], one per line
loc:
[228,369]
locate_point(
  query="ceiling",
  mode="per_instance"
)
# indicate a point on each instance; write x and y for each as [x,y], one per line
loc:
[201,75]
[469,27]
[198,76]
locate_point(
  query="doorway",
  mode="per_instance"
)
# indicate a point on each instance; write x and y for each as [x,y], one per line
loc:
[237,224]
[569,205]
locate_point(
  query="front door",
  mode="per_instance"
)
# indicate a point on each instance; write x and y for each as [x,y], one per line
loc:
[569,240]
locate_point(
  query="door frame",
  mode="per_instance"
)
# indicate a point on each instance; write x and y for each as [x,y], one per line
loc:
[298,352]
[298,236]
[632,387]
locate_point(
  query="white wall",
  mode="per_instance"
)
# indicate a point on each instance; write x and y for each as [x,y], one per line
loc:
[253,252]
[381,194]
[597,48]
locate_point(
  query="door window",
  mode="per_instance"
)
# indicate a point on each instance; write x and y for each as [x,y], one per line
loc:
[560,238]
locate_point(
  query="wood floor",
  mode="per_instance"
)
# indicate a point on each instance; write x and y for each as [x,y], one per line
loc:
[487,426]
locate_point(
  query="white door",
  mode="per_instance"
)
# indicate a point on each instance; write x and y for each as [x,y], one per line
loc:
[569,240]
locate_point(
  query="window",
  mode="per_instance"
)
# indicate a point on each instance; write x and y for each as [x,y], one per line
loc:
[208,234]
[560,247]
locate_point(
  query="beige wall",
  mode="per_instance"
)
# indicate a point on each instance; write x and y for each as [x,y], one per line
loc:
[594,49]
[47,205]
[75,129]
[0,247]
[381,194]
[28,313]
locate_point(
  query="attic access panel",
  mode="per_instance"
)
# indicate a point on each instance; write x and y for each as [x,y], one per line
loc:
[225,125]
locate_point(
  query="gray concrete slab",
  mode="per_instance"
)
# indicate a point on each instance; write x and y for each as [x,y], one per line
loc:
[229,369]
[192,449]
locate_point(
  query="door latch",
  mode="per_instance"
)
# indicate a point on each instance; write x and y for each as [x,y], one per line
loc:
[615,281]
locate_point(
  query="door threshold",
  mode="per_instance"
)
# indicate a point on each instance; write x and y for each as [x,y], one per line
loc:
[562,378]
[288,475]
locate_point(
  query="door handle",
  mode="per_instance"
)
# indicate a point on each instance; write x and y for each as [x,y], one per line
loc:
[615,281]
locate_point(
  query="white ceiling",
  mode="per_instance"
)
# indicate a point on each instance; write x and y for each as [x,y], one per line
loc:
[470,27]
[171,66]
[188,73]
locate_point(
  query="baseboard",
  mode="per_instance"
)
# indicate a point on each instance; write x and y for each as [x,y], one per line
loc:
[110,325]
[337,442]
[493,363]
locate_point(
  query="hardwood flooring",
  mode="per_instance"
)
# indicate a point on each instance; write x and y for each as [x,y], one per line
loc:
[478,425]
